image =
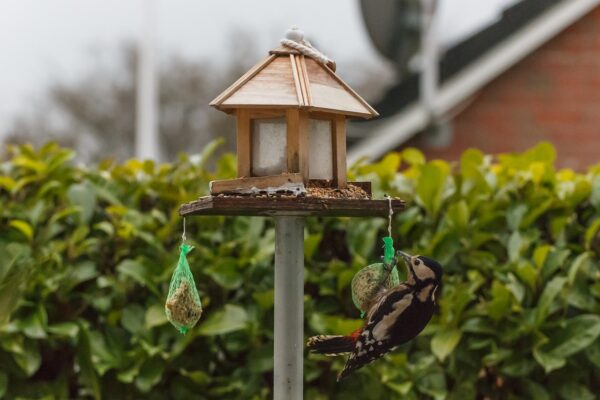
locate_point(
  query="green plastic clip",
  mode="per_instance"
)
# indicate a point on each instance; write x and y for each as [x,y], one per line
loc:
[388,250]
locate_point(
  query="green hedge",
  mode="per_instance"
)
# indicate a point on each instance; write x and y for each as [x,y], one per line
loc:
[86,255]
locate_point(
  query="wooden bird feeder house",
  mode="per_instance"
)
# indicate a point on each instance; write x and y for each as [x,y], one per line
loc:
[291,110]
[291,115]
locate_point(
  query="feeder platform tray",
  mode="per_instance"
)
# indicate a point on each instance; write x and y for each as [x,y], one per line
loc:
[289,206]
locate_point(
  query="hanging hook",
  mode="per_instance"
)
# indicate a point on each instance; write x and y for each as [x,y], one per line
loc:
[183,237]
[390,215]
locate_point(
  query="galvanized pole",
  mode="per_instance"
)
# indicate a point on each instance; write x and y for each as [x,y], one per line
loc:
[146,130]
[429,56]
[289,308]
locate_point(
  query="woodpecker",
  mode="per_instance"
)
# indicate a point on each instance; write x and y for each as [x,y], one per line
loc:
[397,315]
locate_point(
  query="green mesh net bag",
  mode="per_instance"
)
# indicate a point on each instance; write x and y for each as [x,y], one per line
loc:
[183,306]
[370,280]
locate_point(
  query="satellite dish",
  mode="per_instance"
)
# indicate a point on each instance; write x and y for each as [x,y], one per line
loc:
[394,27]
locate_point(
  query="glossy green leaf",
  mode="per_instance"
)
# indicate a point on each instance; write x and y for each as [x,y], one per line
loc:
[83,196]
[577,265]
[149,375]
[230,318]
[311,243]
[515,215]
[444,342]
[595,194]
[155,316]
[578,333]
[30,164]
[540,254]
[14,268]
[400,388]
[66,329]
[518,366]
[7,183]
[527,273]
[22,227]
[29,359]
[551,291]
[34,325]
[87,375]
[501,302]
[197,376]
[591,233]
[265,299]
[458,214]
[413,156]
[534,390]
[137,272]
[593,353]
[548,361]
[573,390]
[225,273]
[430,186]
[133,318]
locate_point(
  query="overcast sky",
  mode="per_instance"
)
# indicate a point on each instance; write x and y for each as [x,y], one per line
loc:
[41,40]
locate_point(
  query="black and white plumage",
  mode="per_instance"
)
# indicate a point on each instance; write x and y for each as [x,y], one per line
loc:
[397,316]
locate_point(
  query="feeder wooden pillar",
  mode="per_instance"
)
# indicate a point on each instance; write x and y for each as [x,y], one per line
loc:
[293,109]
[243,145]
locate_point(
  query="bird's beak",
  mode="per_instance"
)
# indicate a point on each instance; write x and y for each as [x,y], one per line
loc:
[404,255]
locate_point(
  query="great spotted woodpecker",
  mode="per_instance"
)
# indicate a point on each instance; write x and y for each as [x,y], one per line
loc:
[397,316]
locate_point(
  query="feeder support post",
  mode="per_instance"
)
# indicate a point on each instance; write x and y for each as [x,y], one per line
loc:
[289,308]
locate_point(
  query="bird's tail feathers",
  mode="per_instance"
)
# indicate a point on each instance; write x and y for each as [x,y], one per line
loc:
[331,345]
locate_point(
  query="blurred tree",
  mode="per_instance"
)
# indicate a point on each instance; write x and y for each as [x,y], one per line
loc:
[95,114]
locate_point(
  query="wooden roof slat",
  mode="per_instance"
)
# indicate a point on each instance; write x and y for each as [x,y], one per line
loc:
[295,73]
[334,91]
[288,79]
[273,84]
[242,80]
[305,81]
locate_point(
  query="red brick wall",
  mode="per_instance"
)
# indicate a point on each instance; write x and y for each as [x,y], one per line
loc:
[553,94]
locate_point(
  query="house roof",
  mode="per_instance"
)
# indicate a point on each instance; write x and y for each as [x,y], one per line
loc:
[465,68]
[464,53]
[287,78]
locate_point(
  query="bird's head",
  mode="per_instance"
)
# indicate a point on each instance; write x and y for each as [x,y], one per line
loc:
[421,269]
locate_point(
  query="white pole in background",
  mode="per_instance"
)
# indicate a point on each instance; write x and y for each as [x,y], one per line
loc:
[289,309]
[429,56]
[146,129]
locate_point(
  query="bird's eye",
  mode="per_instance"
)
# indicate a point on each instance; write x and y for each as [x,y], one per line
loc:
[417,262]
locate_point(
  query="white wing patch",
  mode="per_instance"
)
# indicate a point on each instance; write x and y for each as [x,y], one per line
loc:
[380,331]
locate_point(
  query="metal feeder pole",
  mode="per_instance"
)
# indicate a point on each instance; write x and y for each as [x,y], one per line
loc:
[289,308]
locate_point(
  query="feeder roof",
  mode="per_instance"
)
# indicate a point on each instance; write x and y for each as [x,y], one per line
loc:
[287,79]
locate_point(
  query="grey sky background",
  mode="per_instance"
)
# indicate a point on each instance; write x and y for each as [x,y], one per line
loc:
[42,40]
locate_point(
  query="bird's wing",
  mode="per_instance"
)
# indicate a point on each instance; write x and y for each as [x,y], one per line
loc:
[385,300]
